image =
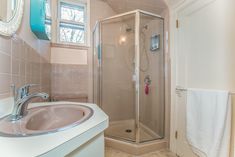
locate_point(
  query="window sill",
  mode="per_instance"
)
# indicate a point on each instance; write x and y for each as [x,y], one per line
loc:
[69,46]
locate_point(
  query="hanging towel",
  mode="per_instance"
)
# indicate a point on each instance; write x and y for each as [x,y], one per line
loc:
[208,122]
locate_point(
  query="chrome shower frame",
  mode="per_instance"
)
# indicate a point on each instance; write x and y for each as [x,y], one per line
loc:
[98,26]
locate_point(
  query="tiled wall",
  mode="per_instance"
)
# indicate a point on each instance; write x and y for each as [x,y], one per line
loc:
[20,64]
[69,82]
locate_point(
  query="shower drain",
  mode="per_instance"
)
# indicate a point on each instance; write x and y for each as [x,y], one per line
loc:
[128,130]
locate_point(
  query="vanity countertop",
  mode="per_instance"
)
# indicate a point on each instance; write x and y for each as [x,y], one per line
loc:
[59,143]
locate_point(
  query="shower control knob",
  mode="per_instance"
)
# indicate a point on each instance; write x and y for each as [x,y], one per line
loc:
[147,80]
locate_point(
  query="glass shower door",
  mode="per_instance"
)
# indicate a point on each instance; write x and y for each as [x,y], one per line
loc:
[129,75]
[152,75]
[117,71]
[96,65]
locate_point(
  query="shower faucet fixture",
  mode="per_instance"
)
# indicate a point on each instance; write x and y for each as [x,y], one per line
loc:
[147,82]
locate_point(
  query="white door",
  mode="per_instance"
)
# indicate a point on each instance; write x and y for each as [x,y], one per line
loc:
[183,149]
[200,45]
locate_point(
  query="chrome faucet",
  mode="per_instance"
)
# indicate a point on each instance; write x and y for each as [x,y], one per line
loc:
[21,100]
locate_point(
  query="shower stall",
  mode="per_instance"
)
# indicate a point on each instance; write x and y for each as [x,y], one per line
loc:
[129,75]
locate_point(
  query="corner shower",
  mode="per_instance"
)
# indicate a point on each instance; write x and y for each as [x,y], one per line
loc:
[129,75]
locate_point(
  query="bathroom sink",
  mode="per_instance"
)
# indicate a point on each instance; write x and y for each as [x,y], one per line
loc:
[46,119]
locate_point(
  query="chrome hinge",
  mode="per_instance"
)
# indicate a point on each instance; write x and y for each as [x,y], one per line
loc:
[176,135]
[177,23]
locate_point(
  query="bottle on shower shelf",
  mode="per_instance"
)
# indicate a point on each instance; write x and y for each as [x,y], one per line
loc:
[147,82]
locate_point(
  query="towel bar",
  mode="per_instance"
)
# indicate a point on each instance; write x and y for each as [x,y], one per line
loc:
[178,88]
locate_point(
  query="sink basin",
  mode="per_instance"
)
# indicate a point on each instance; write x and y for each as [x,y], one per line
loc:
[46,119]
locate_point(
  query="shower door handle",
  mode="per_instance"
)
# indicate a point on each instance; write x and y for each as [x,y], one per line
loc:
[134,79]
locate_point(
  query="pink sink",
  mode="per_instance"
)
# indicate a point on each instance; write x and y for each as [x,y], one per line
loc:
[46,119]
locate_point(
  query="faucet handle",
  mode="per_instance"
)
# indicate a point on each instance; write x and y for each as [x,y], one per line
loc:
[27,87]
[24,90]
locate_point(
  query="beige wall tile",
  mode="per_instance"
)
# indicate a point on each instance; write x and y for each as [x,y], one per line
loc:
[69,81]
[17,47]
[22,68]
[5,45]
[5,63]
[16,81]
[24,51]
[6,95]
[20,64]
[15,66]
[5,80]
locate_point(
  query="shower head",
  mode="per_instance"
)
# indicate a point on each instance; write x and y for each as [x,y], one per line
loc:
[128,29]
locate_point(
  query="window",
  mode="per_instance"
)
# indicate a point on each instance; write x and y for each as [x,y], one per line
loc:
[71,23]
[48,18]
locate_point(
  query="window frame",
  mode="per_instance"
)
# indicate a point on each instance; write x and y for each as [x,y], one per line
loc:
[48,19]
[59,20]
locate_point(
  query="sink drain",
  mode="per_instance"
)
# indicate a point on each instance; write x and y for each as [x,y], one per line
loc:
[128,130]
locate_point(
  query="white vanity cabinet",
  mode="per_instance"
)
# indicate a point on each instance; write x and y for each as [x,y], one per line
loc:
[84,140]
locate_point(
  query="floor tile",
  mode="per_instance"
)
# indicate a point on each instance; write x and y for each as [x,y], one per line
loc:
[110,152]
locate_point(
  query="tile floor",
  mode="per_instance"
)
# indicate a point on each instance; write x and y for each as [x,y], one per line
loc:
[110,152]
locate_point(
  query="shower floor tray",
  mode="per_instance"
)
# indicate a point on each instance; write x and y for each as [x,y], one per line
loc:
[125,129]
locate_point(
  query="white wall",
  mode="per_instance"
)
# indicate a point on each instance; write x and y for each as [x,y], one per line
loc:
[68,56]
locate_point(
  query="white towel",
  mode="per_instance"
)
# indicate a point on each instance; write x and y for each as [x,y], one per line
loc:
[209,122]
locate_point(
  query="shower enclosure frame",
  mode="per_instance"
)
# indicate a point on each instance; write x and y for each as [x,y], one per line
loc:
[137,14]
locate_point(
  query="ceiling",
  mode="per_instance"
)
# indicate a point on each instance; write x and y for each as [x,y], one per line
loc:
[154,6]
